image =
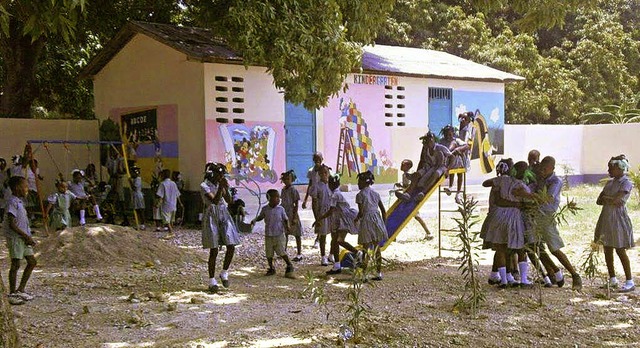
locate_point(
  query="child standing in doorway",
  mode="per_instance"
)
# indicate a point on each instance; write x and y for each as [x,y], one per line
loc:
[372,230]
[614,229]
[290,198]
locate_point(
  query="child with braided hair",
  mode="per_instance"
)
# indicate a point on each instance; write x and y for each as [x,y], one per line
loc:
[459,150]
[290,198]
[372,230]
[614,229]
[342,222]
[218,228]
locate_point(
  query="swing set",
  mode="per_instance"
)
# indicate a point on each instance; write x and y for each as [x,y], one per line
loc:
[30,153]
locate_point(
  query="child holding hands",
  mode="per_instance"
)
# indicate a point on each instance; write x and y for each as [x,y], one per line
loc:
[290,198]
[276,224]
[614,229]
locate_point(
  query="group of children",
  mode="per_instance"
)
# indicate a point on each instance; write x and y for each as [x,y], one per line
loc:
[521,225]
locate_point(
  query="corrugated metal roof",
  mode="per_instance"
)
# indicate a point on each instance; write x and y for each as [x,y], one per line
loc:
[429,63]
[203,45]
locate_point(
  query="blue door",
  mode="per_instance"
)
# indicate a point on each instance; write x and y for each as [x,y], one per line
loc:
[440,109]
[300,127]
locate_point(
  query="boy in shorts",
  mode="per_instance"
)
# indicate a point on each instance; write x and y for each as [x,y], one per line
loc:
[276,224]
[19,240]
[168,198]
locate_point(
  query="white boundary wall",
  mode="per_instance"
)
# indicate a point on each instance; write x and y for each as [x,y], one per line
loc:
[586,148]
[16,132]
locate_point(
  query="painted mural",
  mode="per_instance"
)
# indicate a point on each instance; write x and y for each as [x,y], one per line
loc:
[490,107]
[250,151]
[152,136]
[354,141]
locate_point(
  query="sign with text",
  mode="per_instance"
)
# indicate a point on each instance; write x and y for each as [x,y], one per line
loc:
[141,126]
[362,79]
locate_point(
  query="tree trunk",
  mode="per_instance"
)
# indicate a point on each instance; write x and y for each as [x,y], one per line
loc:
[20,55]
[8,333]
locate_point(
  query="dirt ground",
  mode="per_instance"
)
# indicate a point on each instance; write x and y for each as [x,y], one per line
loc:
[145,292]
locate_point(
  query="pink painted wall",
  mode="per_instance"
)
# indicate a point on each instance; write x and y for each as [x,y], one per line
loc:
[243,148]
[369,100]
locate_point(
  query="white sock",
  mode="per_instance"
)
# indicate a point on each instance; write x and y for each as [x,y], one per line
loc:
[559,276]
[82,213]
[546,280]
[213,281]
[337,265]
[613,280]
[510,277]
[224,274]
[96,209]
[494,276]
[629,283]
[503,275]
[524,270]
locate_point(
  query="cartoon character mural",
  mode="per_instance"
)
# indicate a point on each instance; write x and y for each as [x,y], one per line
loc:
[249,151]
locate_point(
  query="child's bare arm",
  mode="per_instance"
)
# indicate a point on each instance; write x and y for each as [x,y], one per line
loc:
[324,216]
[306,196]
[383,211]
[488,183]
[359,212]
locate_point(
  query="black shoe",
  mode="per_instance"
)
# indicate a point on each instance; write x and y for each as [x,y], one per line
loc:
[288,273]
[560,282]
[577,282]
[213,289]
[334,271]
[503,286]
[377,278]
[225,282]
[493,281]
[270,272]
[526,285]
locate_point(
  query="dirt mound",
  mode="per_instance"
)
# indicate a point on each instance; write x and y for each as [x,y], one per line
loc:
[107,245]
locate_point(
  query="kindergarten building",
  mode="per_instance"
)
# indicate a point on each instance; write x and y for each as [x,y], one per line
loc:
[184,98]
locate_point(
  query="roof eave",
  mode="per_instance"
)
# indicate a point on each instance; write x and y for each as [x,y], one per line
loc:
[458,78]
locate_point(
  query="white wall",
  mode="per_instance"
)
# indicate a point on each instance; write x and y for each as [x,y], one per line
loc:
[586,148]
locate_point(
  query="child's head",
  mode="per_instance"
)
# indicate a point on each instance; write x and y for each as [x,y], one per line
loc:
[323,172]
[135,171]
[16,160]
[465,118]
[165,174]
[3,164]
[618,166]
[176,176]
[520,168]
[90,171]
[406,165]
[546,167]
[273,196]
[18,186]
[288,177]
[504,166]
[365,179]
[77,175]
[334,181]
[318,158]
[428,139]
[61,186]
[533,157]
[448,132]
[214,171]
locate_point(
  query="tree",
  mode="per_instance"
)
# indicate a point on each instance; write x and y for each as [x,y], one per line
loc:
[26,26]
[8,333]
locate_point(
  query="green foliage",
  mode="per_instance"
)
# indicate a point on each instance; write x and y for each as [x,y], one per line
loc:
[357,307]
[627,112]
[316,291]
[473,295]
[591,265]
[635,177]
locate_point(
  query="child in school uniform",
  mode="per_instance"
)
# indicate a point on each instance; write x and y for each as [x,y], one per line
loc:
[4,175]
[341,221]
[137,197]
[459,150]
[434,160]
[614,229]
[547,180]
[58,207]
[169,198]
[218,228]
[19,240]
[290,198]
[322,196]
[506,230]
[405,166]
[83,200]
[276,223]
[372,230]
[313,177]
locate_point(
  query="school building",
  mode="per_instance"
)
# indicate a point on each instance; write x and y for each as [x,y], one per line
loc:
[185,98]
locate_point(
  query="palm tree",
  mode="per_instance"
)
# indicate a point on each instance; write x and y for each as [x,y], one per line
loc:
[627,112]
